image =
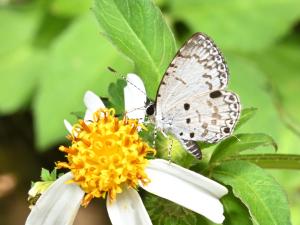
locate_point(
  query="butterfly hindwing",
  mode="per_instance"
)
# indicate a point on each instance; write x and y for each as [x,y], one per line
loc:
[209,117]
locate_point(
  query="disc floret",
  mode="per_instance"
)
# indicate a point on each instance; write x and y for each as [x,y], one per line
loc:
[106,155]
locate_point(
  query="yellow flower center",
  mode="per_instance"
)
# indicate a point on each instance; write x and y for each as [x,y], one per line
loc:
[106,154]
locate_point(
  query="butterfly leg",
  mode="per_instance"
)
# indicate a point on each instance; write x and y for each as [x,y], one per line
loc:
[154,137]
[163,133]
[170,144]
[170,147]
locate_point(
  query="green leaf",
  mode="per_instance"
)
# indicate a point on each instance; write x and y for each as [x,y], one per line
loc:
[250,86]
[20,64]
[78,115]
[240,142]
[116,95]
[263,196]
[20,70]
[47,176]
[272,161]
[53,174]
[77,62]
[18,27]
[50,28]
[138,29]
[281,65]
[164,212]
[246,115]
[70,8]
[236,213]
[248,25]
[178,154]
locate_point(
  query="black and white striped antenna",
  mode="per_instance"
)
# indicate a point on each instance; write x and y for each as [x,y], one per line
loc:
[123,77]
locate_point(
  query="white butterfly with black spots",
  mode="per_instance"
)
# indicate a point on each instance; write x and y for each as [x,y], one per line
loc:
[191,100]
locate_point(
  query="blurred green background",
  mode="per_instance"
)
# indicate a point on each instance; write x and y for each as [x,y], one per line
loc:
[52,51]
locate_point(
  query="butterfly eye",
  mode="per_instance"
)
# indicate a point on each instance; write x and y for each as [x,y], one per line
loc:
[150,110]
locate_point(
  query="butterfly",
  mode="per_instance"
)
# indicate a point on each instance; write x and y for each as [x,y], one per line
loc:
[192,102]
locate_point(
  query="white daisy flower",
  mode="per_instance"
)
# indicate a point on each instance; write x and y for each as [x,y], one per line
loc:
[107,159]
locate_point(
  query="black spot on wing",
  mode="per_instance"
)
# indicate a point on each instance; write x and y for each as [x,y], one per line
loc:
[226,130]
[215,94]
[186,106]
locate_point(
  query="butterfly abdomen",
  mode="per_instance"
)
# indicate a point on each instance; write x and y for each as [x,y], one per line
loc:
[192,147]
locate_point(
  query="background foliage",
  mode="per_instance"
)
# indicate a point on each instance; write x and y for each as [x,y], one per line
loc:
[51,52]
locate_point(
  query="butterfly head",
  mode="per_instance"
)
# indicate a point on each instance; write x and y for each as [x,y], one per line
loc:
[150,109]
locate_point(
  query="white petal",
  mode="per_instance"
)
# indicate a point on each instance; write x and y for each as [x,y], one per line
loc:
[68,126]
[92,103]
[88,117]
[58,205]
[186,188]
[128,209]
[135,97]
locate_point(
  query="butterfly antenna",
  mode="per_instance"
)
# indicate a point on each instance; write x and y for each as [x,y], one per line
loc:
[124,78]
[135,109]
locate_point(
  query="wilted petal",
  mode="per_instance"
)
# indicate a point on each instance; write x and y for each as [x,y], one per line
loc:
[128,208]
[92,103]
[135,97]
[186,188]
[58,205]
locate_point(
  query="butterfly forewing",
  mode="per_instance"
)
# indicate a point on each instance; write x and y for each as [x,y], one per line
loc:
[198,67]
[191,101]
